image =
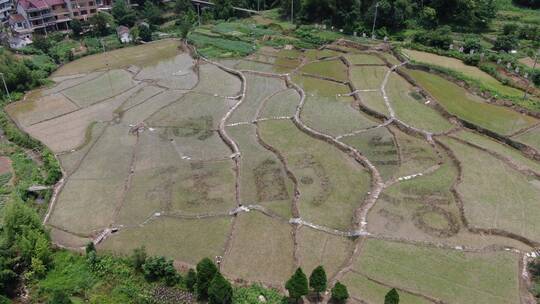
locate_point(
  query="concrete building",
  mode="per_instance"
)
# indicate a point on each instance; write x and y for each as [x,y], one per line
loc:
[6,7]
[44,16]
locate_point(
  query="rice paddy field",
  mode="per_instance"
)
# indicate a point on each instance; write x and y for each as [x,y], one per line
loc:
[288,157]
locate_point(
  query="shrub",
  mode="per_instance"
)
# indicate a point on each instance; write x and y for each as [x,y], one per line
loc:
[145,33]
[59,297]
[158,268]
[472,43]
[473,60]
[250,295]
[440,38]
[340,294]
[506,43]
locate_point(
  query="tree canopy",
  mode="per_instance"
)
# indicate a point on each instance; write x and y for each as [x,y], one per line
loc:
[297,285]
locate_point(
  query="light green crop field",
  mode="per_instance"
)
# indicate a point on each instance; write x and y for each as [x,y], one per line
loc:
[377,145]
[504,150]
[165,149]
[451,276]
[364,59]
[374,101]
[459,102]
[487,187]
[411,110]
[334,69]
[270,244]
[459,66]
[334,115]
[368,77]
[199,238]
[144,55]
[332,187]
[364,289]
[104,87]
[531,138]
[282,104]
[318,248]
[258,90]
[263,177]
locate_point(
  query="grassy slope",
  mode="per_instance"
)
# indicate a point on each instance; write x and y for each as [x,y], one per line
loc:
[458,102]
[459,66]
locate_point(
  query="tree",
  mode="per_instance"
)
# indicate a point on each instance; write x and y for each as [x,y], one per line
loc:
[182,6]
[100,23]
[191,280]
[145,33]
[185,23]
[152,13]
[41,43]
[160,268]
[124,14]
[206,270]
[138,257]
[285,8]
[223,9]
[90,247]
[297,285]
[220,290]
[392,297]
[439,38]
[472,43]
[506,43]
[510,28]
[528,3]
[340,294]
[317,280]
[76,27]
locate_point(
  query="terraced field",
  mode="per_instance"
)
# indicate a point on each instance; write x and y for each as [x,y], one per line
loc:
[287,158]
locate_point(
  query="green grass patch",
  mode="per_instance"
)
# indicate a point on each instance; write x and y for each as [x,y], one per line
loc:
[220,47]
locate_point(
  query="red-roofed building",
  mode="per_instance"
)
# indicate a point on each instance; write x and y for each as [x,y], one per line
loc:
[44,16]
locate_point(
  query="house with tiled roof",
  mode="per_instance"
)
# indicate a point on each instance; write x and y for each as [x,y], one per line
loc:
[42,15]
[45,16]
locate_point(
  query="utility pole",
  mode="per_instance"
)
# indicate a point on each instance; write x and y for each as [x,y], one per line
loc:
[534,68]
[5,86]
[374,21]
